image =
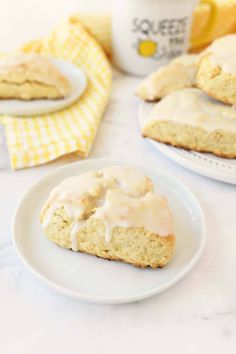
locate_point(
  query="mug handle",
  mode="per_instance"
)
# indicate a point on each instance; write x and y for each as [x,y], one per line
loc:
[203,39]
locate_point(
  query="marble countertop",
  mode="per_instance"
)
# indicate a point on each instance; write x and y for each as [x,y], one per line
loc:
[196,316]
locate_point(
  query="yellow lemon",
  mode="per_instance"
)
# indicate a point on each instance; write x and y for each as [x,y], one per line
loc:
[147,48]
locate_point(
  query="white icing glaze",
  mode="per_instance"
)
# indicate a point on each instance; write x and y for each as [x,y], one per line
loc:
[120,196]
[49,214]
[108,231]
[131,181]
[75,228]
[193,107]
[79,195]
[223,52]
[150,212]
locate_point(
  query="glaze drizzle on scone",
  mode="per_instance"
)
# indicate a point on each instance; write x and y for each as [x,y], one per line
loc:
[120,196]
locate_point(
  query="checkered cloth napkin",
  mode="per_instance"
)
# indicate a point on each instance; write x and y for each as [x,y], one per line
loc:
[36,140]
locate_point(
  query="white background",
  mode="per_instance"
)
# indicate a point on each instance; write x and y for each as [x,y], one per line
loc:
[23,20]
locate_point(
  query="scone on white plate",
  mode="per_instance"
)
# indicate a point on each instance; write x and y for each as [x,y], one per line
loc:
[178,74]
[31,76]
[112,213]
[217,70]
[190,119]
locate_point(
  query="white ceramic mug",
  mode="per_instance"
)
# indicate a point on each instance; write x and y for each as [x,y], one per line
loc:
[147,34]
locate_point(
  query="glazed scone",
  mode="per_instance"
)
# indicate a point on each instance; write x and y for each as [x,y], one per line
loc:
[178,74]
[217,70]
[190,119]
[31,76]
[112,213]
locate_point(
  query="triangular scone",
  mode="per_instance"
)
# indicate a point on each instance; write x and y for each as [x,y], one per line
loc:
[217,70]
[111,213]
[178,74]
[31,76]
[192,120]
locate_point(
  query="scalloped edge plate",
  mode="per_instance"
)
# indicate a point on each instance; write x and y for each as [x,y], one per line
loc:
[205,164]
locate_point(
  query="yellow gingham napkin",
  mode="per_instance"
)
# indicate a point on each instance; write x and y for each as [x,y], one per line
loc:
[35,140]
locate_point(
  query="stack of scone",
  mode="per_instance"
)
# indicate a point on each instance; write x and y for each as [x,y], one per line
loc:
[197,97]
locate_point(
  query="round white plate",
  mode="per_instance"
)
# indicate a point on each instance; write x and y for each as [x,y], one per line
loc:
[78,83]
[89,278]
[205,164]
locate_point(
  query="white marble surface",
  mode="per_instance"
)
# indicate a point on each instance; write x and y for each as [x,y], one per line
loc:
[196,316]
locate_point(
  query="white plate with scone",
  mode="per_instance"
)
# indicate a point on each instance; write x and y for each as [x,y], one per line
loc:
[114,210]
[33,84]
[188,110]
[206,164]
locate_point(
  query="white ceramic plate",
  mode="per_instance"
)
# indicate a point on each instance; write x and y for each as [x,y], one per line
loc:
[205,164]
[86,277]
[78,83]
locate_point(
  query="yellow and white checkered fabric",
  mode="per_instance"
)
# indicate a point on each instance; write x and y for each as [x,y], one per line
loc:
[37,140]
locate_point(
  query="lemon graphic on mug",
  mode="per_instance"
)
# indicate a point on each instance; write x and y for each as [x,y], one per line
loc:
[147,47]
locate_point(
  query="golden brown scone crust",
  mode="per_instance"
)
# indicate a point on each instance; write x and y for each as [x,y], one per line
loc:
[190,119]
[215,82]
[179,73]
[135,246]
[196,139]
[31,76]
